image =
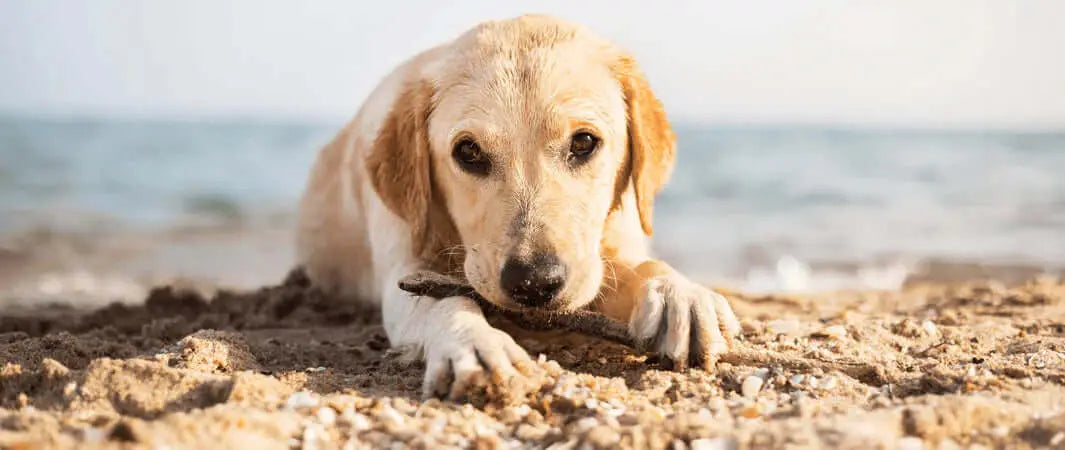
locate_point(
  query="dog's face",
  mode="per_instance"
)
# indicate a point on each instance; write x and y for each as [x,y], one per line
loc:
[529,147]
[528,151]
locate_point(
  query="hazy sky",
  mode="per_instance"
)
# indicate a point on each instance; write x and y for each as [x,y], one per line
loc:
[966,63]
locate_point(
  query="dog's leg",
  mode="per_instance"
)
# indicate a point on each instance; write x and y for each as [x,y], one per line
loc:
[682,321]
[461,350]
[459,347]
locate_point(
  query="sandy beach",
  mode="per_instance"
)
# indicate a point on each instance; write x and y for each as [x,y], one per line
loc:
[876,187]
[935,365]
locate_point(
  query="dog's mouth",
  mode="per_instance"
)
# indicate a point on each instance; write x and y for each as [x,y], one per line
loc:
[591,323]
[556,305]
[437,285]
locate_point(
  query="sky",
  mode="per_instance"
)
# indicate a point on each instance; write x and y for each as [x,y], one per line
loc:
[914,63]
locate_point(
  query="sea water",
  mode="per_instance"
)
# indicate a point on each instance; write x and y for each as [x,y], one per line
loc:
[772,207]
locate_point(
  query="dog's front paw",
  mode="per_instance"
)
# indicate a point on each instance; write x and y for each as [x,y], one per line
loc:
[683,322]
[462,351]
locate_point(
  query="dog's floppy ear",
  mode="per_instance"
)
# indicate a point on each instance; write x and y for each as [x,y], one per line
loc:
[399,166]
[652,144]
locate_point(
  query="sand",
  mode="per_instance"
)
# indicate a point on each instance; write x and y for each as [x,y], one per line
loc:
[963,365]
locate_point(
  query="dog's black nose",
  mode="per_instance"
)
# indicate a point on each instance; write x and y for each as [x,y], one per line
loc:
[534,282]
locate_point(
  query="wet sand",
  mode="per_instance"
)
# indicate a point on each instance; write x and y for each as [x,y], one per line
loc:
[960,365]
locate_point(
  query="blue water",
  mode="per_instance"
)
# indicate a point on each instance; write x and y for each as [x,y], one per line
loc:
[755,194]
[70,175]
[741,197]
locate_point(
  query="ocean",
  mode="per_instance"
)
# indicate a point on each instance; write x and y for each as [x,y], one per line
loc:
[769,208]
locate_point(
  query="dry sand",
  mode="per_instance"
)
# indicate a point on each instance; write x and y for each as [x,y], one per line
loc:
[955,366]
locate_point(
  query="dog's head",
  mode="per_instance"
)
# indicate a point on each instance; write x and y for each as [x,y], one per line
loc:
[513,151]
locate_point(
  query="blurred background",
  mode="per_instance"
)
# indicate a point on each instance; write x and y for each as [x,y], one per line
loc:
[823,144]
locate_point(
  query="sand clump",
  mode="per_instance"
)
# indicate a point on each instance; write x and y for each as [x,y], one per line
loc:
[285,367]
[215,351]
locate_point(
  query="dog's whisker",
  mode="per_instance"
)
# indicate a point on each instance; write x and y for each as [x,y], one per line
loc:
[612,282]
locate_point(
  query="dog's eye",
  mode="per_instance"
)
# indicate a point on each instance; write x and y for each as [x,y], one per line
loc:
[470,158]
[582,146]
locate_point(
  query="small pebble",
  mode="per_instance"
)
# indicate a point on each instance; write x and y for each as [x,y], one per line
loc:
[603,436]
[1043,358]
[948,444]
[717,404]
[585,424]
[301,399]
[783,326]
[796,380]
[836,332]
[404,406]
[93,434]
[750,411]
[718,443]
[534,417]
[311,436]
[829,383]
[388,414]
[438,425]
[511,414]
[751,386]
[813,382]
[930,327]
[909,443]
[326,415]
[530,432]
[629,419]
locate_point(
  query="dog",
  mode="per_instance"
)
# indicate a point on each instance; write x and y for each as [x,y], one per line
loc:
[524,156]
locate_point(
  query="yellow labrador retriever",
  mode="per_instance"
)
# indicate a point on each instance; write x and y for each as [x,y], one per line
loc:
[524,156]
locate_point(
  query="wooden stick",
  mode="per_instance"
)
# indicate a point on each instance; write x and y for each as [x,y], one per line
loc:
[594,324]
[589,323]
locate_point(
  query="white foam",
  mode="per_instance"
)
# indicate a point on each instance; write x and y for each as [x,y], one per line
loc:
[790,274]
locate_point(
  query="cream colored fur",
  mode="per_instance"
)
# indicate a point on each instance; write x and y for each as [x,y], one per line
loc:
[386,198]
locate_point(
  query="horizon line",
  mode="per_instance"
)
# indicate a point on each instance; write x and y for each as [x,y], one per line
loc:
[221,118]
